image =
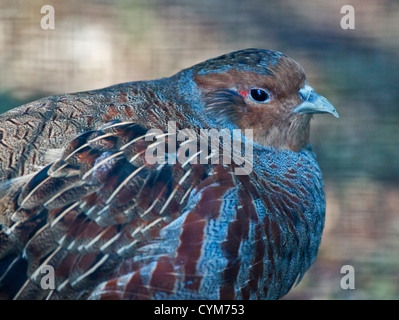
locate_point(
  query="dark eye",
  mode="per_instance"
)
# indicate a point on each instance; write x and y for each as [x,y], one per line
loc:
[259,95]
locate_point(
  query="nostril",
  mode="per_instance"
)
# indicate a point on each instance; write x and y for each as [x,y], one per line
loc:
[305,92]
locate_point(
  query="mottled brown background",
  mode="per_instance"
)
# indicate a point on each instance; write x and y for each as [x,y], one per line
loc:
[100,43]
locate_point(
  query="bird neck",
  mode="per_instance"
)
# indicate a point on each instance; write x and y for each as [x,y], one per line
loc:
[292,134]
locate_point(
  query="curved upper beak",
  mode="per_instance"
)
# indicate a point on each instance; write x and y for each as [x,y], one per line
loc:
[314,103]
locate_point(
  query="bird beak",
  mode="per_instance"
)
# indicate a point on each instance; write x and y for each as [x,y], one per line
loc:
[314,103]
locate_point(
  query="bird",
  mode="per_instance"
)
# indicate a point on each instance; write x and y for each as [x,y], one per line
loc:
[116,193]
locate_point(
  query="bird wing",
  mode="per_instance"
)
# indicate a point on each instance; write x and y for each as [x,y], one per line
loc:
[87,212]
[104,222]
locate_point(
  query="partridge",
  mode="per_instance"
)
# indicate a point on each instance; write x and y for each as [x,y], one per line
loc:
[113,194]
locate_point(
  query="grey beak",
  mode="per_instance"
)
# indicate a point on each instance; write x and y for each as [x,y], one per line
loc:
[314,103]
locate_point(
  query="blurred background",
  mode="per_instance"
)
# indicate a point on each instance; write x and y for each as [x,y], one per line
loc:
[101,43]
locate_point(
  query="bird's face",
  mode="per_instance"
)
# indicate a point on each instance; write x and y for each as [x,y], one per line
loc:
[261,90]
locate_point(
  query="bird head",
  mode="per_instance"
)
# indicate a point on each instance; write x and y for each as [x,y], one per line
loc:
[261,90]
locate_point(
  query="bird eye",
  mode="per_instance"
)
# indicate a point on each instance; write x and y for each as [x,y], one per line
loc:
[259,95]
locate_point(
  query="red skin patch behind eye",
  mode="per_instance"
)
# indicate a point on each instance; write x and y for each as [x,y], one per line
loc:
[243,93]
